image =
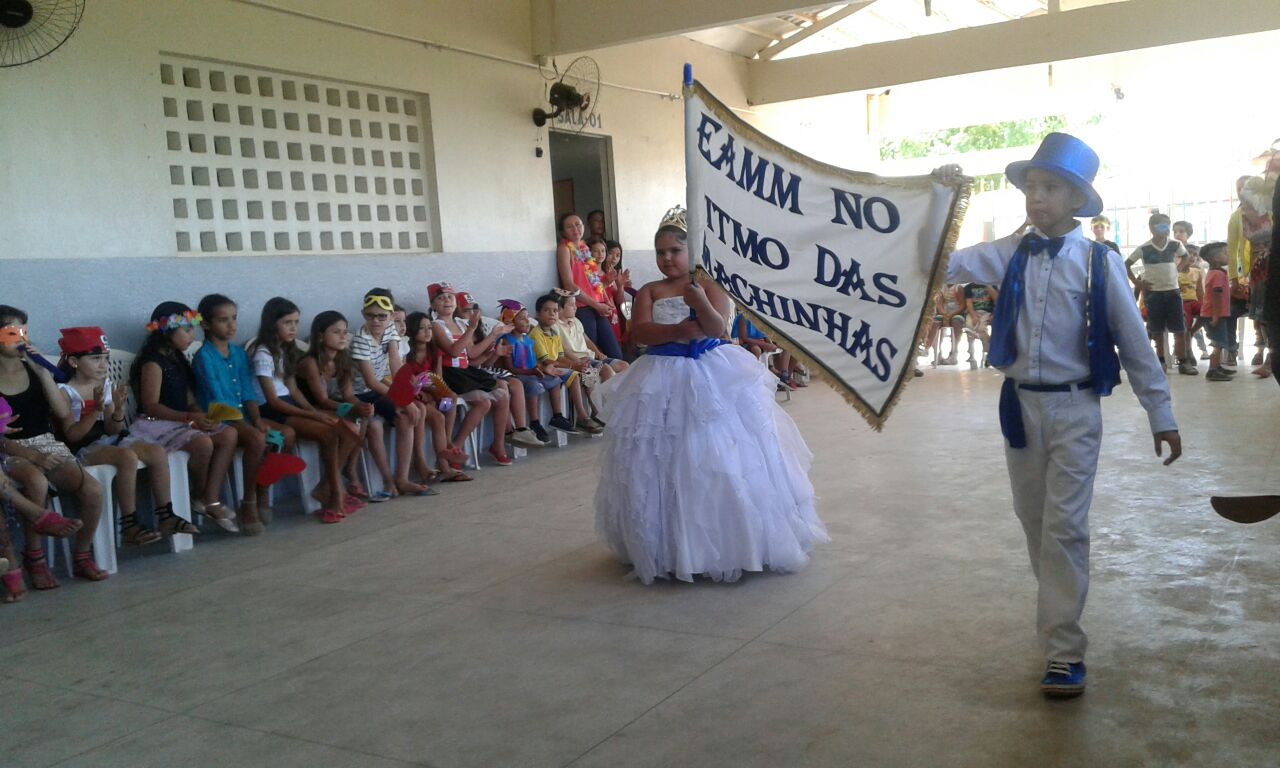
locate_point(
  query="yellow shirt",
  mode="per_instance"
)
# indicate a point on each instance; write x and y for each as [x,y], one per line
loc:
[1188,282]
[1239,256]
[546,344]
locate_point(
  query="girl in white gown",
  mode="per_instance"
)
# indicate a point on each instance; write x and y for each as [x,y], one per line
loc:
[701,472]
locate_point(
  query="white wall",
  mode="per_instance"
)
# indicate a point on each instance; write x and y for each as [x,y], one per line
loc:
[83,177]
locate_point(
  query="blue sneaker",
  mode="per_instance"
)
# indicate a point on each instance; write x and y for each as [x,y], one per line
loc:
[1063,680]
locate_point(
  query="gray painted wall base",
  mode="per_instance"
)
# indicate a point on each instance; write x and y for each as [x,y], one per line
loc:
[119,294]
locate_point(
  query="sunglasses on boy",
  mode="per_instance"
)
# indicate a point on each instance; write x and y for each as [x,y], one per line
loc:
[382,302]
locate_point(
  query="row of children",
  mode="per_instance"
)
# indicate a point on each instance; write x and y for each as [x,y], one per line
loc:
[335,390]
[966,310]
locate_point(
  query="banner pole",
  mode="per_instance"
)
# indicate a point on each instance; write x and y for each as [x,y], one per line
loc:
[690,157]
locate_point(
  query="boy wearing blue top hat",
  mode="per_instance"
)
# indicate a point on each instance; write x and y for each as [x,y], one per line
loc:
[1064,312]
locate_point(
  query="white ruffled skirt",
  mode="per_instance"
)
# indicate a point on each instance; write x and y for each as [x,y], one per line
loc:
[702,472]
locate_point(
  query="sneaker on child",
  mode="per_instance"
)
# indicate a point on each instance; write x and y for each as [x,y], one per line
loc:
[1062,679]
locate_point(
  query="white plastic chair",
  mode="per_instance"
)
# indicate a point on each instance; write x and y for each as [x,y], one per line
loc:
[104,538]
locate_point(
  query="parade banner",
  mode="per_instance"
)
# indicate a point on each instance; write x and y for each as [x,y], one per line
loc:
[835,265]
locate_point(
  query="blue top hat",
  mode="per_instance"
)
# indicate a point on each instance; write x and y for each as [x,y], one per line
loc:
[1069,158]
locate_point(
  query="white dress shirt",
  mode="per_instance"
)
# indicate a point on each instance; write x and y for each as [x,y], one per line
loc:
[1051,333]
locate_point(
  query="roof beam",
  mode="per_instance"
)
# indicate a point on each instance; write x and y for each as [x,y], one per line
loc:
[1093,31]
[570,26]
[814,28]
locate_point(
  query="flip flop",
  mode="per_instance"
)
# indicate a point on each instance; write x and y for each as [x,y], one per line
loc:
[457,477]
[380,496]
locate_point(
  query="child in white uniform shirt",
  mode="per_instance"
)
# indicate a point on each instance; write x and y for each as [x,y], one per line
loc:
[1063,312]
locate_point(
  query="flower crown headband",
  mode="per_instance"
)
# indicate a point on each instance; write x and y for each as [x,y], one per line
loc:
[188,319]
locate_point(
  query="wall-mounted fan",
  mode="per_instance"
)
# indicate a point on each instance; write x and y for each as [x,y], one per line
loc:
[576,91]
[33,29]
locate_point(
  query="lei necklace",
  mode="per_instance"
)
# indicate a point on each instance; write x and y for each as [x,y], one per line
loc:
[593,270]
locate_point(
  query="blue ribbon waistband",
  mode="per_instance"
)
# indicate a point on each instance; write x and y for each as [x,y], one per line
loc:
[694,350]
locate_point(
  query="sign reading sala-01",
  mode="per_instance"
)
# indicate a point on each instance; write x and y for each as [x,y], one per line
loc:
[837,266]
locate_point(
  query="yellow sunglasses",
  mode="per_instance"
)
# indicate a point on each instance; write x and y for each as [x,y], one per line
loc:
[381,302]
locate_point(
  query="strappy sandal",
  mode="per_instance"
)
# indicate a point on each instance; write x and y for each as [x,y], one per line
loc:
[37,567]
[134,534]
[53,524]
[454,455]
[222,516]
[170,524]
[83,567]
[14,589]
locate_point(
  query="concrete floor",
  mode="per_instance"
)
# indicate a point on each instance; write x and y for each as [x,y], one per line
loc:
[485,627]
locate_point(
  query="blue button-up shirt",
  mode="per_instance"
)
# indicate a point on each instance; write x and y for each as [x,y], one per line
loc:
[1051,334]
[227,380]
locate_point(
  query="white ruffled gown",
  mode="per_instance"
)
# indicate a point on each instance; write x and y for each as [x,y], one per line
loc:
[702,472]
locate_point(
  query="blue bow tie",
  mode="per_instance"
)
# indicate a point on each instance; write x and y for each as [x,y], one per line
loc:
[1035,243]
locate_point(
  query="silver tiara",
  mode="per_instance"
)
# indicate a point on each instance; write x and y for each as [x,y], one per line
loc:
[674,218]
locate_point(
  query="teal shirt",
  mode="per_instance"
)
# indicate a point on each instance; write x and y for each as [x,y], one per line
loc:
[227,380]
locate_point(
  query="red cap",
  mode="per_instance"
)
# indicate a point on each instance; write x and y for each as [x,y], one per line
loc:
[466,300]
[435,289]
[88,340]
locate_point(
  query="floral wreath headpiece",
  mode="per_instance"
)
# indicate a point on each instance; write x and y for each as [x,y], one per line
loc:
[188,319]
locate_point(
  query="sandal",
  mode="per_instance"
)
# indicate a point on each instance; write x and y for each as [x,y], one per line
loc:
[329,516]
[170,524]
[37,567]
[14,589]
[134,534]
[248,527]
[411,489]
[222,516]
[53,524]
[354,488]
[501,458]
[381,496]
[351,505]
[83,567]
[457,476]
[454,455]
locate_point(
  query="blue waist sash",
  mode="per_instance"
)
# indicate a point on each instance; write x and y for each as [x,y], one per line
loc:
[695,349]
[1011,425]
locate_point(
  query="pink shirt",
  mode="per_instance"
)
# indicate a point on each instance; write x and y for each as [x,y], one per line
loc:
[1217,294]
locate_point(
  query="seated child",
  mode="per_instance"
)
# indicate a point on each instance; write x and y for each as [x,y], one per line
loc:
[479,388]
[790,373]
[32,450]
[223,376]
[486,354]
[327,373]
[582,353]
[98,435]
[552,360]
[521,360]
[979,303]
[164,384]
[436,398]
[375,353]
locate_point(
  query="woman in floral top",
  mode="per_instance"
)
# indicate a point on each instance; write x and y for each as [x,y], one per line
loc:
[579,271]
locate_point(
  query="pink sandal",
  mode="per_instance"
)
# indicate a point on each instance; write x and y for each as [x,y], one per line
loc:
[329,516]
[83,567]
[15,590]
[53,524]
[37,567]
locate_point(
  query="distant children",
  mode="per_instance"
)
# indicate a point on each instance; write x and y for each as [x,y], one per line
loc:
[1063,312]
[1215,309]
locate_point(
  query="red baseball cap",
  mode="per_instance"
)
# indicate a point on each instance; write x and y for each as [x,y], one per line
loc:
[435,289]
[86,340]
[466,300]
